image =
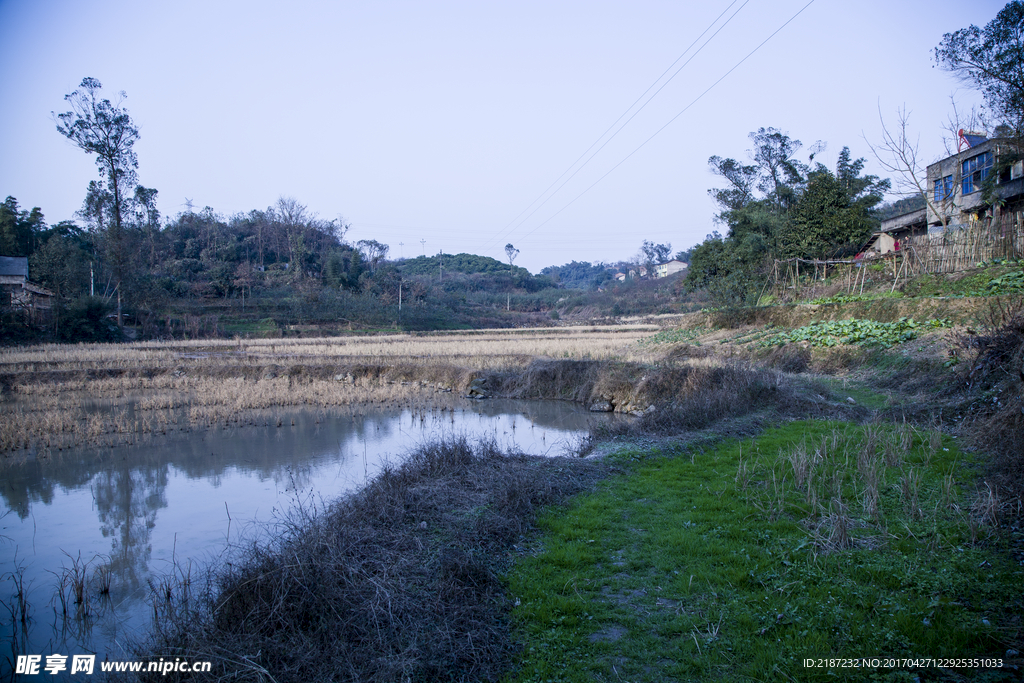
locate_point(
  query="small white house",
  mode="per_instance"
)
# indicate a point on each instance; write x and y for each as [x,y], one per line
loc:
[670,268]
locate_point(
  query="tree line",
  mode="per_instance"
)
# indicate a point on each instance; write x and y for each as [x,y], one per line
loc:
[778,206]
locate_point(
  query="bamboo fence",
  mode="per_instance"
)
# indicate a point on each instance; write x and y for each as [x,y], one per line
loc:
[952,250]
[965,246]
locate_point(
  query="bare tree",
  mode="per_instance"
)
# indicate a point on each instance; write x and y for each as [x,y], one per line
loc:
[899,155]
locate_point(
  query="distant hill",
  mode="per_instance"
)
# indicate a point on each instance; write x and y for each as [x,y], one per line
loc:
[469,264]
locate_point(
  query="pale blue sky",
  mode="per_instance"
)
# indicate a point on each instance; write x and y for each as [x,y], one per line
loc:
[443,121]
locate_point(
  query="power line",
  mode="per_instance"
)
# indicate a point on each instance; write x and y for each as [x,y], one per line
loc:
[505,230]
[670,121]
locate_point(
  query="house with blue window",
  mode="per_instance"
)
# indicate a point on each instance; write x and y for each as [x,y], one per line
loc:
[956,183]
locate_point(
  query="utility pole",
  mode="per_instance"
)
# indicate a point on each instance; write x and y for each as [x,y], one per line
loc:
[440,265]
[424,243]
[401,252]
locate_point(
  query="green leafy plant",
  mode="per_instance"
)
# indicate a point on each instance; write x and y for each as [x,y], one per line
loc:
[1009,283]
[855,331]
[676,336]
[851,298]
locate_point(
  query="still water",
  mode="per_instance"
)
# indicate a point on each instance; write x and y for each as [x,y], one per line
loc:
[137,513]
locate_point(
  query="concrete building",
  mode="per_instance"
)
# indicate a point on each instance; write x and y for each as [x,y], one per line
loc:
[956,183]
[670,268]
[956,193]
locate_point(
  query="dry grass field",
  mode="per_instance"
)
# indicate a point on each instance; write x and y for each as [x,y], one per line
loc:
[477,348]
[60,396]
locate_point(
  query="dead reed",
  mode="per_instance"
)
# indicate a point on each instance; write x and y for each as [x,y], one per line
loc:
[398,582]
[991,369]
[56,397]
[480,348]
[849,489]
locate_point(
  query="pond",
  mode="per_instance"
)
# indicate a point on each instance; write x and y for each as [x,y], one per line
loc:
[124,517]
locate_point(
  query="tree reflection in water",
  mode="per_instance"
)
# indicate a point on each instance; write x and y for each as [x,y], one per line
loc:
[167,503]
[127,500]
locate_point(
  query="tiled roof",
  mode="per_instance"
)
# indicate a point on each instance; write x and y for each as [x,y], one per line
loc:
[14,265]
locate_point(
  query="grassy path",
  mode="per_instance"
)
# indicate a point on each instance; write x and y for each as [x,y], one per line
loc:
[813,540]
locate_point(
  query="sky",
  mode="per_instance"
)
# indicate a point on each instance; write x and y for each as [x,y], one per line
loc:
[450,125]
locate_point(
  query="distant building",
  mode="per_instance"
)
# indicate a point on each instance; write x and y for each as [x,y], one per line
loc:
[670,268]
[18,294]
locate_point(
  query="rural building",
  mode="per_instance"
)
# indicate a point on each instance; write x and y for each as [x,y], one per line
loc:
[898,229]
[670,268]
[17,294]
[659,270]
[956,183]
[955,201]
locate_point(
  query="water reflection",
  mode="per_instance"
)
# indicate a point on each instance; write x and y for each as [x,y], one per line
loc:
[127,500]
[124,516]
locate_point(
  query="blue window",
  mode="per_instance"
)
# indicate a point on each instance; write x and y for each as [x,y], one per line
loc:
[943,188]
[975,170]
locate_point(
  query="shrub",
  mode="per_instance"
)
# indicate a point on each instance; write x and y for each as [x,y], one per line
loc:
[992,369]
[86,320]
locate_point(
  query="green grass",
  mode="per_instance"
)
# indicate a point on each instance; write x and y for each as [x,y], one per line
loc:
[863,395]
[738,563]
[990,279]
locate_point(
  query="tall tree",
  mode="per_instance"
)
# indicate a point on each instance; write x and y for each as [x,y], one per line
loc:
[101,127]
[757,207]
[780,175]
[19,230]
[760,194]
[834,213]
[374,252]
[992,60]
[778,207]
[511,252]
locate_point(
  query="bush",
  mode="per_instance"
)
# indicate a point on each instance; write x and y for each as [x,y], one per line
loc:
[86,320]
[992,369]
